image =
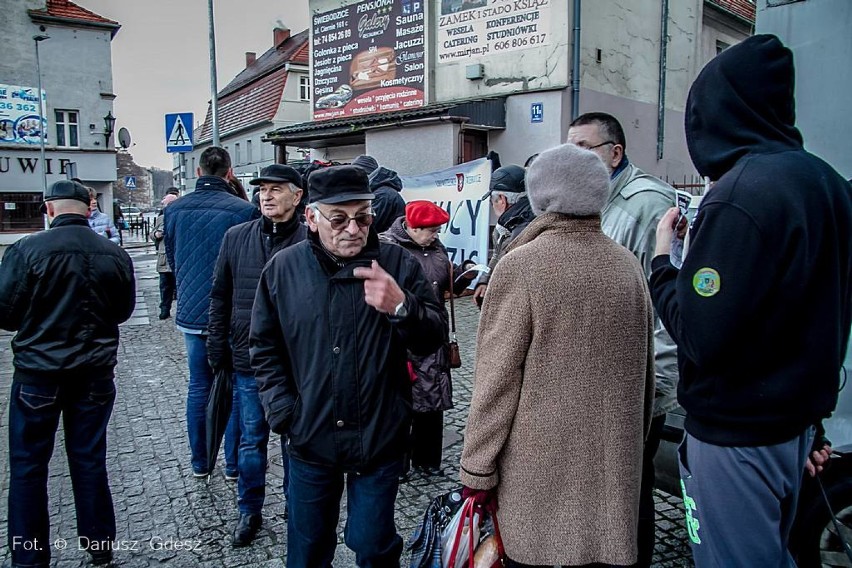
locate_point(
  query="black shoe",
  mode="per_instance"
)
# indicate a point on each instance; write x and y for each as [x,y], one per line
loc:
[164,315]
[101,557]
[246,530]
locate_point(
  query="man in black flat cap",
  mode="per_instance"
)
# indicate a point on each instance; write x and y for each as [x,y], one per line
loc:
[64,291]
[245,250]
[333,319]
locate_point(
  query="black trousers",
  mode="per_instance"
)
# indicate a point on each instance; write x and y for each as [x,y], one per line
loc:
[427,438]
[647,512]
[168,288]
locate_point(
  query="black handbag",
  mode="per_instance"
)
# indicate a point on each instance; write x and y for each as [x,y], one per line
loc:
[455,354]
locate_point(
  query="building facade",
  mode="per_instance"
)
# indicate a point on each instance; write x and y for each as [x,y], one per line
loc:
[505,76]
[272,91]
[78,101]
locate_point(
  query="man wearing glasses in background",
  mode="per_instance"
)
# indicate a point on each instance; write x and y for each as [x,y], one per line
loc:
[637,201]
[333,319]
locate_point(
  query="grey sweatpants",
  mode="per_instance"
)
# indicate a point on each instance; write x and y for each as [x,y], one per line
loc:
[741,501]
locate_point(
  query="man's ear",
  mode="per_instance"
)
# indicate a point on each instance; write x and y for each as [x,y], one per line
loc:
[311,219]
[297,196]
[617,155]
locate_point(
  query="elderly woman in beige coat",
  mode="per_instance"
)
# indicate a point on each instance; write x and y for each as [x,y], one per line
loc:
[564,378]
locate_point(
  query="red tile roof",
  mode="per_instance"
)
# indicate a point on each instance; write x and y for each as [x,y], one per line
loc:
[251,105]
[303,55]
[64,10]
[254,95]
[741,8]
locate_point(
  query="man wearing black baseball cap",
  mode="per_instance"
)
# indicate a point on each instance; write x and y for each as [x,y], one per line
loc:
[64,291]
[333,320]
[507,193]
[245,250]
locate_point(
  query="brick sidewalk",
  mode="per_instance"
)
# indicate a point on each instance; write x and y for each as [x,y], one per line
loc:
[160,507]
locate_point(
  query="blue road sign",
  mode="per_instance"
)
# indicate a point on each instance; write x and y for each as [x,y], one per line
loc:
[130,182]
[179,132]
[537,112]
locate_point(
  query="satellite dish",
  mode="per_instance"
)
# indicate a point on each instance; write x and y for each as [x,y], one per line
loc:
[124,138]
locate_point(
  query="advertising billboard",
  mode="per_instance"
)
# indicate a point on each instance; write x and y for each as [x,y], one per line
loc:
[369,57]
[19,115]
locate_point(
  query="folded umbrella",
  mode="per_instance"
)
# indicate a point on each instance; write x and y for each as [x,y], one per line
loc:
[219,405]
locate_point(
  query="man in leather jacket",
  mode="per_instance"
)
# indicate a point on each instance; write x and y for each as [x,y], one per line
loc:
[64,291]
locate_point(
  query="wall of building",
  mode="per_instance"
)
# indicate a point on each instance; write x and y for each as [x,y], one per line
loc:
[76,70]
[522,137]
[417,149]
[818,34]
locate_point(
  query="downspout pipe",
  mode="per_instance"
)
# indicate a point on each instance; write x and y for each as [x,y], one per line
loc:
[661,98]
[575,65]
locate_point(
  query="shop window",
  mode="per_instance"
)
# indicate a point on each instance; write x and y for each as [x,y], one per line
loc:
[19,212]
[67,128]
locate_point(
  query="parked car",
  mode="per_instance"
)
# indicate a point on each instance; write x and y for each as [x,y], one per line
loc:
[814,541]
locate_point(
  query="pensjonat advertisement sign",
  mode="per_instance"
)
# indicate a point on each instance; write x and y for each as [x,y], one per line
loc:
[369,57]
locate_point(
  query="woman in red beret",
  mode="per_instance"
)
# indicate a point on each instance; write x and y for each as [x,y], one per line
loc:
[432,394]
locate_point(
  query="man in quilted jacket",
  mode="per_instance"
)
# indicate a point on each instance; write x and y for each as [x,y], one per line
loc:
[194,227]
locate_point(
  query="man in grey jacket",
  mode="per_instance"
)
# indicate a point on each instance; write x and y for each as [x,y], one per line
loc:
[637,201]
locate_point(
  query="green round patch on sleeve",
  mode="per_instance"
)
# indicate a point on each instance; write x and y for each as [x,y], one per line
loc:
[706,282]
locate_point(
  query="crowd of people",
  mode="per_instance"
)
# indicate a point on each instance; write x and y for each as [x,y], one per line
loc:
[326,300]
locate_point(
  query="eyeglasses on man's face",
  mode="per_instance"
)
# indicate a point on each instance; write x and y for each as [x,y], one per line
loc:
[338,221]
[586,146]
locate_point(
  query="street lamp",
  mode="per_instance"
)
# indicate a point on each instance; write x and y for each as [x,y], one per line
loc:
[109,127]
[39,38]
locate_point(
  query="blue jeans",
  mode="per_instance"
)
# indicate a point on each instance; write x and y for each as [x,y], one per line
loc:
[34,411]
[254,437]
[313,497]
[200,383]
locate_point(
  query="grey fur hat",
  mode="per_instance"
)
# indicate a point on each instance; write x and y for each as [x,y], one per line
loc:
[568,179]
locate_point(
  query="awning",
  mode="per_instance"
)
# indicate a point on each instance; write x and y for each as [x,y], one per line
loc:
[480,113]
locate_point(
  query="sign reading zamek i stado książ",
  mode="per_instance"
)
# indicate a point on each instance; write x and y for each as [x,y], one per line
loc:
[478,28]
[19,116]
[368,58]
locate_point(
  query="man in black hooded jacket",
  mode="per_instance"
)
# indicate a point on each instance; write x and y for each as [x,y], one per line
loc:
[760,310]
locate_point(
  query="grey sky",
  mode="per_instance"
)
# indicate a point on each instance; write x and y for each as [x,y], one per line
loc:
[161,61]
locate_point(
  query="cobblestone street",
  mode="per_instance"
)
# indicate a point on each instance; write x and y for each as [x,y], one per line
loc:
[167,517]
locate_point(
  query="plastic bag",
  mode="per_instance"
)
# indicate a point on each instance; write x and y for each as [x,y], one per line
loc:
[461,537]
[425,543]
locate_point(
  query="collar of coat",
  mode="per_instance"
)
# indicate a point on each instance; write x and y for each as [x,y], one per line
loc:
[69,219]
[281,229]
[556,223]
[342,267]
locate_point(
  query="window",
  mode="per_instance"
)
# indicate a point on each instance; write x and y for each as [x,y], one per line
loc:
[721,46]
[237,154]
[248,152]
[304,88]
[66,128]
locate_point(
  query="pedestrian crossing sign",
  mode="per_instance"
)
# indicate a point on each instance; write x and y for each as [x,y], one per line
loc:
[130,182]
[179,132]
